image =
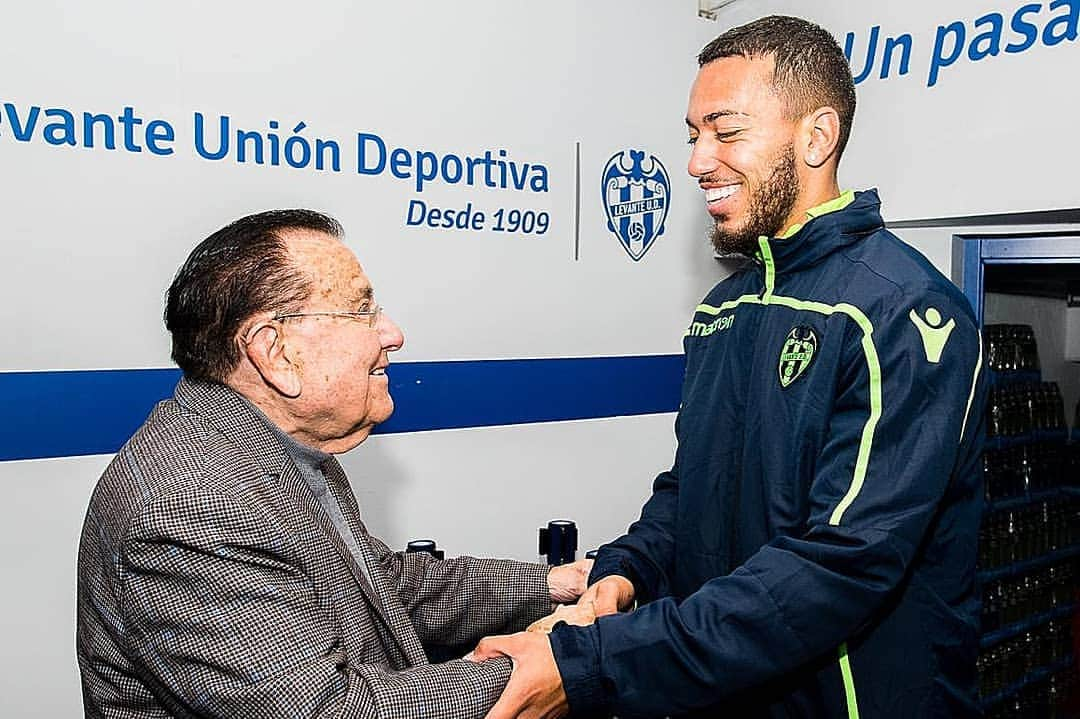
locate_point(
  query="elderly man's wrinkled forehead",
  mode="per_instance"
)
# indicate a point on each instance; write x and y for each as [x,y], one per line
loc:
[335,273]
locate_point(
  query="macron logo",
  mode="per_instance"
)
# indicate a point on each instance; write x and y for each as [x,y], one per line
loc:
[703,329]
[934,334]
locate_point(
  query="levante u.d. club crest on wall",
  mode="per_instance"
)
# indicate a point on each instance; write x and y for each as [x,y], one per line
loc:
[636,192]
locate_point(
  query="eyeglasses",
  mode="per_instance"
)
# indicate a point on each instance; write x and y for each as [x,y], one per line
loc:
[371,317]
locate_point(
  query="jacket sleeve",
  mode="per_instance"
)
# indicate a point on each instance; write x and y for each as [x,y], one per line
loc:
[217,612]
[459,601]
[905,416]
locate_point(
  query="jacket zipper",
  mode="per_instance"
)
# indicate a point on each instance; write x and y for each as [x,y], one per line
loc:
[766,258]
[763,262]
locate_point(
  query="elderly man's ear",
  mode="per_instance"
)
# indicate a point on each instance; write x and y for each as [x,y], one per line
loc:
[265,348]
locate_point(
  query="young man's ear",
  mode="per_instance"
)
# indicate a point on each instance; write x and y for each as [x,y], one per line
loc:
[822,128]
[265,348]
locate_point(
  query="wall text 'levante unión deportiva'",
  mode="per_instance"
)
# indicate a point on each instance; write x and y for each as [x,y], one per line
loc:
[297,146]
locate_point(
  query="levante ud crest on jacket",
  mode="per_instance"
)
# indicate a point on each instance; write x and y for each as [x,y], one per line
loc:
[798,352]
[636,191]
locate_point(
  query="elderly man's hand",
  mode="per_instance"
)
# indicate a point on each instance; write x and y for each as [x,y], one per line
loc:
[535,689]
[567,582]
[609,595]
[581,614]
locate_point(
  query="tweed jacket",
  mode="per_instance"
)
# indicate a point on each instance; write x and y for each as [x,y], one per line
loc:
[213,584]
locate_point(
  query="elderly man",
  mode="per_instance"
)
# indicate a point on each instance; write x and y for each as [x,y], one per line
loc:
[811,552]
[224,570]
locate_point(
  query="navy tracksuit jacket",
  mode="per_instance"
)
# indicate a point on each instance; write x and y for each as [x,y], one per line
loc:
[811,553]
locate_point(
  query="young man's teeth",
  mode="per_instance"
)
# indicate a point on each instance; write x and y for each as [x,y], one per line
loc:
[380,371]
[719,193]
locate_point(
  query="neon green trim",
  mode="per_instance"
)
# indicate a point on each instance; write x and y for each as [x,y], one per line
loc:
[873,365]
[790,232]
[849,683]
[837,203]
[770,268]
[971,396]
[730,304]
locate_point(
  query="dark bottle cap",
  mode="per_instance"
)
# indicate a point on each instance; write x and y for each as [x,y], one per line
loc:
[426,546]
[558,541]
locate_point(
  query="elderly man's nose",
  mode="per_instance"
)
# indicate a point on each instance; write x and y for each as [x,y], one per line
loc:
[390,334]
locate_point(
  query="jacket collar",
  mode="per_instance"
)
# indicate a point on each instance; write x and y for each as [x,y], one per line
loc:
[829,227]
[236,418]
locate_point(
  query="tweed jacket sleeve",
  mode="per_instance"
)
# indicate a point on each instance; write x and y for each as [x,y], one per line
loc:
[220,615]
[459,601]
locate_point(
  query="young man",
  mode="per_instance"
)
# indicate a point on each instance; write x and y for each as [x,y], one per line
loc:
[811,553]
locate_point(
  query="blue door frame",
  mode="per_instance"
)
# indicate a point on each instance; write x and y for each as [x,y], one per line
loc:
[972,253]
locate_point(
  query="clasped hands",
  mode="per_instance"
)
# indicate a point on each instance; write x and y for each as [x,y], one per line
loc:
[607,596]
[535,687]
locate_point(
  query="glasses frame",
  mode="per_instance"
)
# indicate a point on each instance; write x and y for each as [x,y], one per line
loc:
[370,316]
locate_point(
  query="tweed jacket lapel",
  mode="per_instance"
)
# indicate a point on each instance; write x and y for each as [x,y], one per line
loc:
[403,627]
[296,487]
[235,419]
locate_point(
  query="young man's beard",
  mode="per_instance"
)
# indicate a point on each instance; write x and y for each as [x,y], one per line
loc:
[769,207]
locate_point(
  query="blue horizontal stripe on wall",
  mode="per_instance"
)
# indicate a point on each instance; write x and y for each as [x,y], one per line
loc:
[66,414]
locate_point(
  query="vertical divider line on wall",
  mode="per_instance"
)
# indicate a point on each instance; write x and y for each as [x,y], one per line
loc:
[577,201]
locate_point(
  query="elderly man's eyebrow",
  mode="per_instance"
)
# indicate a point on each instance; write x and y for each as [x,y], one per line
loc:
[362,294]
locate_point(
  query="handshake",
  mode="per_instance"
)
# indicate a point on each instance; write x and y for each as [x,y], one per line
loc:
[535,687]
[607,596]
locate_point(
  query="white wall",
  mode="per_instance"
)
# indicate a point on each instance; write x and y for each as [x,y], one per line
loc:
[991,135]
[40,519]
[93,236]
[110,228]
